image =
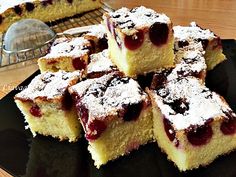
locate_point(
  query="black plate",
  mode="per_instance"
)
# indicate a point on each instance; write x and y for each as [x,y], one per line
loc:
[23,155]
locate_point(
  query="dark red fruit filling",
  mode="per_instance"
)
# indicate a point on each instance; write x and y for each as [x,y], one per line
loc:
[135,41]
[132,112]
[35,111]
[170,132]
[178,105]
[78,64]
[145,80]
[182,44]
[109,25]
[228,127]
[204,43]
[95,129]
[158,33]
[67,101]
[102,44]
[200,135]
[18,10]
[29,6]
[70,1]
[47,2]
[217,43]
[83,112]
[1,19]
[160,78]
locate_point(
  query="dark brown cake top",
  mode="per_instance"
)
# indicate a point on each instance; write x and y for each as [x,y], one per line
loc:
[49,85]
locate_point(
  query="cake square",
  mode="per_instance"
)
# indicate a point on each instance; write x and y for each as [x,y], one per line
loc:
[68,54]
[210,41]
[100,64]
[98,37]
[14,10]
[192,124]
[108,108]
[48,107]
[140,40]
[189,60]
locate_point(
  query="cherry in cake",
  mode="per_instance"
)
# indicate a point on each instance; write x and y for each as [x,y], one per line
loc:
[98,38]
[48,107]
[192,124]
[44,10]
[210,41]
[140,40]
[68,54]
[100,64]
[109,107]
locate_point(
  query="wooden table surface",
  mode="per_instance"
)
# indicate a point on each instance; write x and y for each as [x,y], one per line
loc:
[217,15]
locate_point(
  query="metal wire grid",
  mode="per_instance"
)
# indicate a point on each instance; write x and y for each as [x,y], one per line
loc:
[88,18]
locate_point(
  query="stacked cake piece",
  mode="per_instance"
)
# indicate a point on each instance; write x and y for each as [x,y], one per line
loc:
[189,122]
[140,40]
[211,42]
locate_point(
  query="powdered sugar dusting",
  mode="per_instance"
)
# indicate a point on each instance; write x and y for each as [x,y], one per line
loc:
[106,96]
[129,21]
[198,103]
[98,31]
[192,32]
[191,62]
[100,62]
[68,47]
[49,85]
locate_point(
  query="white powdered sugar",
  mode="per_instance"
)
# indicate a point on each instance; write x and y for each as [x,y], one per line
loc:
[192,32]
[98,31]
[68,47]
[191,62]
[198,103]
[138,18]
[49,85]
[100,62]
[106,96]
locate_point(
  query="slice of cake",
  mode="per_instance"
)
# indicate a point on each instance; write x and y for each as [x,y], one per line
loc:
[140,40]
[211,42]
[44,10]
[68,54]
[100,64]
[98,37]
[47,105]
[190,62]
[115,114]
[192,125]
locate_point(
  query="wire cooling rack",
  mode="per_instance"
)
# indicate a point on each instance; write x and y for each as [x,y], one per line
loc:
[7,59]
